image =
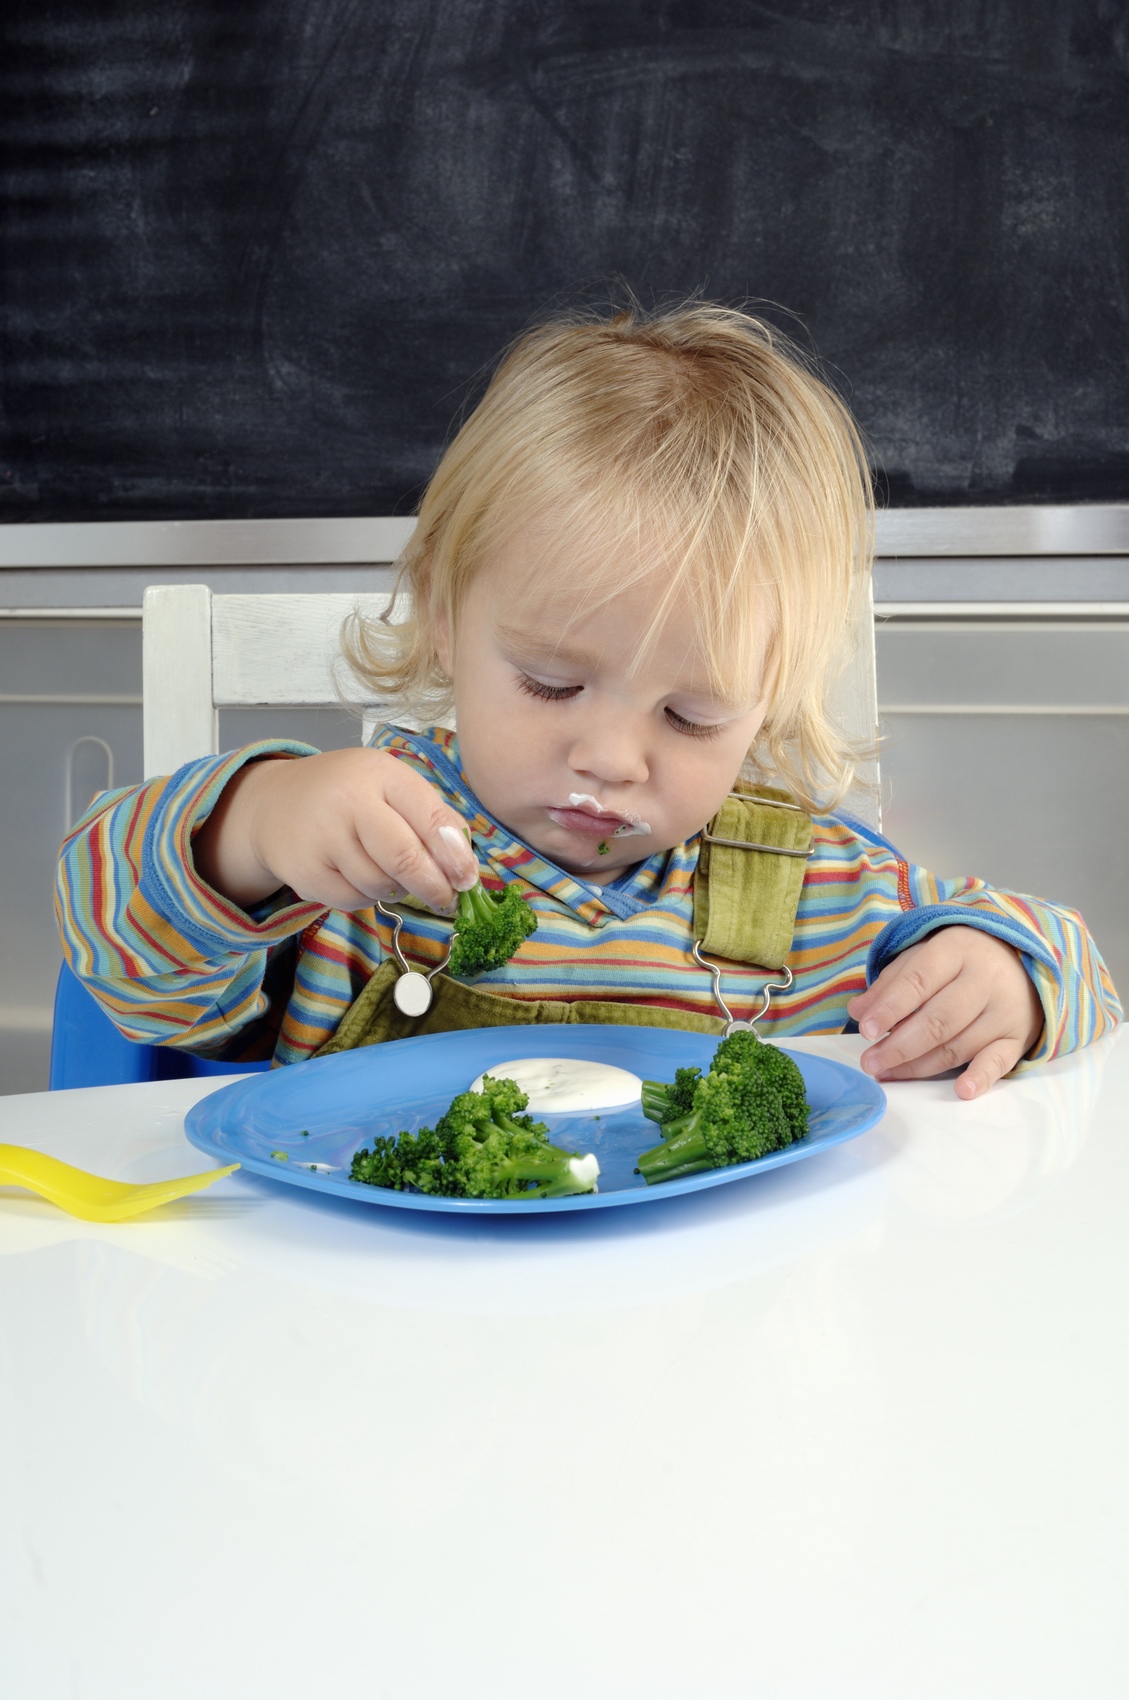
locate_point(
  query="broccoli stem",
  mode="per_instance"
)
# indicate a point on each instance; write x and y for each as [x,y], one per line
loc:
[655,1101]
[556,1173]
[507,1125]
[477,905]
[682,1152]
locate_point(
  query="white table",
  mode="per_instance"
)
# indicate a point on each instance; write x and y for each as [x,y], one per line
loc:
[858,1428]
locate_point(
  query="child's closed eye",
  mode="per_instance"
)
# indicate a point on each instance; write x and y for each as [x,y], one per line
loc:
[547,693]
[564,693]
[691,728]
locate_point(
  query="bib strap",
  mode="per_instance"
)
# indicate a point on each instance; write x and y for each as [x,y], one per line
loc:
[374,1018]
[751,870]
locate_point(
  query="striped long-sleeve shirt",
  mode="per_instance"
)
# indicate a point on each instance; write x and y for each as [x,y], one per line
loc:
[173,962]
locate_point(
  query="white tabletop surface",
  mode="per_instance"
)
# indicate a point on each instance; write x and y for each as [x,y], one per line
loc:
[859,1427]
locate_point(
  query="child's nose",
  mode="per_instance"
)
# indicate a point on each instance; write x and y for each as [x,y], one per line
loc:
[612,754]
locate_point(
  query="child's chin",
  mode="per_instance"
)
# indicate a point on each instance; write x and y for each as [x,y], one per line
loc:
[613,861]
[579,854]
[575,858]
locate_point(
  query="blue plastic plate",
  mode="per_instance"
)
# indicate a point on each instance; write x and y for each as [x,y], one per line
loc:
[318,1113]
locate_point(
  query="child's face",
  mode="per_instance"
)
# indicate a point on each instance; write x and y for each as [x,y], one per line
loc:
[563,743]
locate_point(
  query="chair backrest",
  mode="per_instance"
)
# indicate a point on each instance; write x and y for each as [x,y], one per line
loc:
[203,652]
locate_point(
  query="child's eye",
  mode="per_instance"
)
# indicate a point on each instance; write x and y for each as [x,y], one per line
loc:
[690,728]
[547,693]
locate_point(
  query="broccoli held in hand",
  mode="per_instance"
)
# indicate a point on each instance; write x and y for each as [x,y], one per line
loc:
[751,1102]
[483,1147]
[489,927]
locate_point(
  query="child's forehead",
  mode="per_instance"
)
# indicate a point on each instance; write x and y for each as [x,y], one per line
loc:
[627,622]
[557,548]
[551,586]
[569,568]
[558,567]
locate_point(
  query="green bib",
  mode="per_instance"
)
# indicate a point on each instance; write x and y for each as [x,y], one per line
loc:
[750,872]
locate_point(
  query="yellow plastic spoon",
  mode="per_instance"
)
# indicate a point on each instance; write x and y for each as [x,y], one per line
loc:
[89,1196]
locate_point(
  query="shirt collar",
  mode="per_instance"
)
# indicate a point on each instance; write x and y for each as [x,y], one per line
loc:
[634,891]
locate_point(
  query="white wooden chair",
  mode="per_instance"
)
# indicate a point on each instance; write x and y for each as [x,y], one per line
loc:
[203,652]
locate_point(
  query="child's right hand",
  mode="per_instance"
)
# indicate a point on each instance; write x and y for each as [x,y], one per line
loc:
[341,829]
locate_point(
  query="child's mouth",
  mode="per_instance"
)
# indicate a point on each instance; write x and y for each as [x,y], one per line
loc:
[584,814]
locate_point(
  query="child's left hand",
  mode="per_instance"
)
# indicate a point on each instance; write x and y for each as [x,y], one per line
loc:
[960,996]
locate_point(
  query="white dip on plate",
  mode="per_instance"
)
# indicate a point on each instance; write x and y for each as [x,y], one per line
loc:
[565,1085]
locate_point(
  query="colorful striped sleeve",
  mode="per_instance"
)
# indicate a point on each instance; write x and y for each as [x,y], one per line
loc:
[1074,985]
[170,960]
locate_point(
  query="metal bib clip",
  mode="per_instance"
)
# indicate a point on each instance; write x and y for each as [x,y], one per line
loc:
[732,1023]
[412,993]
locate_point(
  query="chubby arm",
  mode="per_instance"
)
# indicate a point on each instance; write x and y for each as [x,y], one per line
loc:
[177,946]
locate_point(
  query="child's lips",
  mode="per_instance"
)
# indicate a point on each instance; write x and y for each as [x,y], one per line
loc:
[583,820]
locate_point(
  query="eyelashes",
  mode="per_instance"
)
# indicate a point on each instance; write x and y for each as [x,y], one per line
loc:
[547,693]
[691,728]
[565,693]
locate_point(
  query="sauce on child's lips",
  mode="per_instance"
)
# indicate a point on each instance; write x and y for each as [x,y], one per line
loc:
[585,813]
[582,820]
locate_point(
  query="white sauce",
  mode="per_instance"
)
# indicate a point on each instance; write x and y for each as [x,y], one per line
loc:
[563,1085]
[632,827]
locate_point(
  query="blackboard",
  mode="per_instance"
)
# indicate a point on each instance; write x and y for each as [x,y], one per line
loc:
[258,255]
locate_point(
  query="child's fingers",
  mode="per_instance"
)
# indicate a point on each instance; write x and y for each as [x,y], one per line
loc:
[952,1053]
[327,885]
[989,1058]
[988,1066]
[341,875]
[904,985]
[937,1031]
[438,829]
[362,878]
[389,850]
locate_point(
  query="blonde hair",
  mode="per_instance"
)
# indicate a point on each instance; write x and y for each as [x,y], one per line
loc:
[702,431]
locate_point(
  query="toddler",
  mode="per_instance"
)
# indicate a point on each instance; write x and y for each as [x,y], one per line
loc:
[631,579]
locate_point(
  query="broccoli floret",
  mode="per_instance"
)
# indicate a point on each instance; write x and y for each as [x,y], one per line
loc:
[482,1147]
[499,1101]
[746,1050]
[664,1103]
[789,1083]
[521,1164]
[412,1160]
[751,1102]
[495,1152]
[489,927]
[739,1049]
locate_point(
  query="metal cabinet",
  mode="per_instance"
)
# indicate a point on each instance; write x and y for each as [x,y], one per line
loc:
[1006,754]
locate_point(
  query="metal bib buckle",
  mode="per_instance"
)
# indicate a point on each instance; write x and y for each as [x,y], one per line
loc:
[733,1024]
[412,993]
